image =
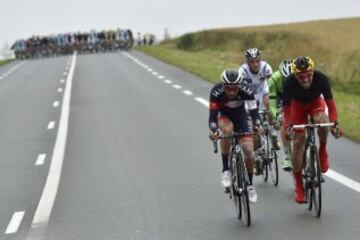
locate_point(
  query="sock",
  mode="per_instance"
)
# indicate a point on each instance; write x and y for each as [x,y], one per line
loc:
[322,145]
[298,178]
[225,160]
[250,178]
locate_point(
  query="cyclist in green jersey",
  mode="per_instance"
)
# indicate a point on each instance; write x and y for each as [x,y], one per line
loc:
[275,106]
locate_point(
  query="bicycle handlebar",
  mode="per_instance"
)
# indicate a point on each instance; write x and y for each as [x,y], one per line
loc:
[227,137]
[215,147]
[312,125]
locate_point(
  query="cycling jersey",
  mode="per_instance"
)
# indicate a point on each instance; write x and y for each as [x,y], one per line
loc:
[221,106]
[293,91]
[275,92]
[257,82]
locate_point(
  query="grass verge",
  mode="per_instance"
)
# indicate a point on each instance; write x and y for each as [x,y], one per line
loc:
[209,64]
[3,62]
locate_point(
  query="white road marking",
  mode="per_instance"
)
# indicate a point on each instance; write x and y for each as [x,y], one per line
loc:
[150,69]
[187,92]
[65,73]
[11,70]
[202,101]
[56,104]
[15,222]
[62,80]
[168,81]
[155,73]
[40,159]
[161,77]
[43,210]
[60,90]
[354,185]
[51,125]
[177,86]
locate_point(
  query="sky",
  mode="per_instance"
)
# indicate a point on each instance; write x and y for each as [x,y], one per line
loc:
[24,18]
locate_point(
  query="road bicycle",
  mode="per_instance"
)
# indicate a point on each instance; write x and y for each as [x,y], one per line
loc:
[267,152]
[311,170]
[239,179]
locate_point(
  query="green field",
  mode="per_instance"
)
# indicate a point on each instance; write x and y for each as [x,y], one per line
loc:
[333,44]
[3,62]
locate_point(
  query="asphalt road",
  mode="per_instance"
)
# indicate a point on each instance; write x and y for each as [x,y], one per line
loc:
[137,162]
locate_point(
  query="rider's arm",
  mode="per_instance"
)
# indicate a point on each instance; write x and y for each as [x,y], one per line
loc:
[253,110]
[268,71]
[213,113]
[214,106]
[326,91]
[272,97]
[287,93]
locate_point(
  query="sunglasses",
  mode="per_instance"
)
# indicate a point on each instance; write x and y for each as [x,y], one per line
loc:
[232,87]
[304,76]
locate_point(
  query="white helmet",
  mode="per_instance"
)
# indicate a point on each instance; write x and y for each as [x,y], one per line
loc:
[252,53]
[285,68]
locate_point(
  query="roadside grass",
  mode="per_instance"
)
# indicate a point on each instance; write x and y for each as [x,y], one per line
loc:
[3,62]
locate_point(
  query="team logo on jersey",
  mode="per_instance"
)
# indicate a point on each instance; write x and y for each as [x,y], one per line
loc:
[246,89]
[217,92]
[234,104]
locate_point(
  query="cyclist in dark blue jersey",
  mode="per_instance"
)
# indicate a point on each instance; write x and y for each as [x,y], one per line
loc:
[227,114]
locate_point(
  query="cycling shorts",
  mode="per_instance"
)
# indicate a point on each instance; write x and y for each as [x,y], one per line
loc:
[299,112]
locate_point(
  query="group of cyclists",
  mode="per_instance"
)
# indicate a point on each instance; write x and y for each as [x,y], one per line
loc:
[60,44]
[290,95]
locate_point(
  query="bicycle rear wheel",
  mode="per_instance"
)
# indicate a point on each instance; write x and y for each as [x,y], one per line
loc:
[265,169]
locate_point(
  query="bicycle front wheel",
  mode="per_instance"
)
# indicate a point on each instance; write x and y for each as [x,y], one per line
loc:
[273,163]
[244,183]
[316,184]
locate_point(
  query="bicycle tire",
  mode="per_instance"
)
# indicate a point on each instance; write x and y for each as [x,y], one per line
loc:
[243,182]
[273,164]
[306,177]
[234,192]
[316,184]
[264,161]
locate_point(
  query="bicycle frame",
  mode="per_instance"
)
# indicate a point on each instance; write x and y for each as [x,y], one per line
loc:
[311,167]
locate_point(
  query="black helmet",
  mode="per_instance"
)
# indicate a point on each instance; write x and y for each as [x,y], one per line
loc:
[252,53]
[231,76]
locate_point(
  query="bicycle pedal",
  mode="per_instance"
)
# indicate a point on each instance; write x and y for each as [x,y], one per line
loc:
[227,190]
[322,180]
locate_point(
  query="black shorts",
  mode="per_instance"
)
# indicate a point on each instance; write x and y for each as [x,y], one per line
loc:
[241,120]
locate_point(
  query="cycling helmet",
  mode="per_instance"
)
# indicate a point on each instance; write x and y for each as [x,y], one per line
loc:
[252,53]
[302,64]
[285,68]
[231,77]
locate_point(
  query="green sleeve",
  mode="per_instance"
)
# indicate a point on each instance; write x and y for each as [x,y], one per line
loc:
[272,96]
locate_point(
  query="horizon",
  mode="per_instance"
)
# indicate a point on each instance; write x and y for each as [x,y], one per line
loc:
[23,19]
